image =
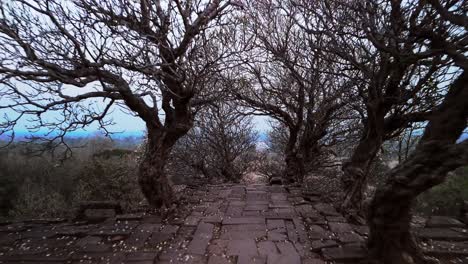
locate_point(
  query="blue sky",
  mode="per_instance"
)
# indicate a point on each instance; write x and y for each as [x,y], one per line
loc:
[127,124]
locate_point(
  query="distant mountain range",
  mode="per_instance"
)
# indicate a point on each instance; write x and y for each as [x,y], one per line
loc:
[262,136]
[20,135]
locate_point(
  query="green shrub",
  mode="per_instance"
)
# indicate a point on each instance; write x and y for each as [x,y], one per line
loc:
[37,201]
[41,186]
[112,178]
[446,198]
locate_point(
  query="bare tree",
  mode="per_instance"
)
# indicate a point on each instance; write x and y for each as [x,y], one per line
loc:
[221,145]
[150,57]
[400,79]
[292,82]
[438,151]
[436,154]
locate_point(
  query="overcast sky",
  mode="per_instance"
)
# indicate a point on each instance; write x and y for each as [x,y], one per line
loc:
[124,122]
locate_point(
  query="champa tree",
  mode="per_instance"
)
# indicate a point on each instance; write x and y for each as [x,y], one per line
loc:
[152,57]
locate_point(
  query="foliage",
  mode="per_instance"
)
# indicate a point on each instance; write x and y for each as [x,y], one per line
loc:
[110,178]
[446,198]
[271,164]
[220,148]
[40,186]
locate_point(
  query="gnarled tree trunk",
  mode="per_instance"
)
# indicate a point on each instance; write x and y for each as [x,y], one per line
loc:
[153,180]
[437,153]
[356,171]
[295,169]
[152,177]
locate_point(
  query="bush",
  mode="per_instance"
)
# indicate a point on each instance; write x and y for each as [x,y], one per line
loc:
[446,198]
[110,178]
[36,201]
[41,186]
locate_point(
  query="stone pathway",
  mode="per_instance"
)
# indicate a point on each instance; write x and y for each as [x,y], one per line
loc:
[220,224]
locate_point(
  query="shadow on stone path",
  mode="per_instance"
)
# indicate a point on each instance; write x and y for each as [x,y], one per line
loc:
[219,224]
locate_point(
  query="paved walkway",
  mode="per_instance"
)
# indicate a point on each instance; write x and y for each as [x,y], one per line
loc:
[220,224]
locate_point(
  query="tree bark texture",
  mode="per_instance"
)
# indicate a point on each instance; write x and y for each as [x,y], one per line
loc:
[356,170]
[153,180]
[437,154]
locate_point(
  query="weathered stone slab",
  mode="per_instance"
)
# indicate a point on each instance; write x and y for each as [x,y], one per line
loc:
[303,249]
[93,240]
[326,209]
[243,220]
[204,231]
[33,258]
[300,230]
[46,221]
[238,235]
[141,256]
[286,248]
[340,227]
[350,238]
[280,204]
[284,259]
[16,227]
[271,214]
[267,248]
[242,247]
[318,232]
[257,196]
[307,210]
[257,203]
[213,219]
[158,238]
[275,224]
[252,213]
[340,219]
[213,210]
[234,211]
[170,229]
[97,210]
[198,246]
[277,236]
[129,217]
[151,219]
[446,248]
[192,220]
[313,261]
[237,204]
[276,189]
[317,245]
[345,253]
[9,239]
[316,221]
[246,227]
[279,197]
[362,230]
[96,248]
[172,255]
[78,231]
[141,234]
[38,233]
[110,231]
[256,207]
[292,234]
[217,247]
[220,260]
[444,221]
[441,234]
[247,259]
[186,231]
[97,257]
